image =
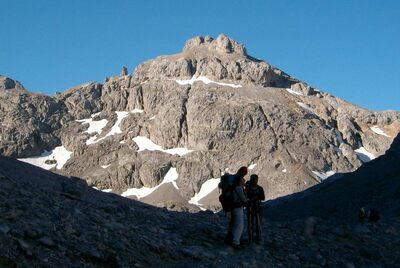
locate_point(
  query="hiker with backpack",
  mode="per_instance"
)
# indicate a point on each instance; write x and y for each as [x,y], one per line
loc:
[256,194]
[233,199]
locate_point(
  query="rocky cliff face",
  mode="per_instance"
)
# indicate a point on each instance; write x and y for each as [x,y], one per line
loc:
[181,120]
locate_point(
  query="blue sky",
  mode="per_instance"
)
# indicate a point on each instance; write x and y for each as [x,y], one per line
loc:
[350,49]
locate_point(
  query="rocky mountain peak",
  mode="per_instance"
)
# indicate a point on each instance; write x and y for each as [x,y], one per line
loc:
[222,59]
[180,120]
[223,45]
[9,84]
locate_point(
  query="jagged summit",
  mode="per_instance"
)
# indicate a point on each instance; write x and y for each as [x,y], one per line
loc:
[223,45]
[222,59]
[10,84]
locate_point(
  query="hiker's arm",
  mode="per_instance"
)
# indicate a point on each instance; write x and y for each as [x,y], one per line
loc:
[262,194]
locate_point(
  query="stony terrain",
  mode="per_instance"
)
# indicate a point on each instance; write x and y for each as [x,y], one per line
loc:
[47,220]
[214,106]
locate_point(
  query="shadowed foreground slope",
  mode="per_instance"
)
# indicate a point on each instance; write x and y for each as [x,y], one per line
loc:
[47,220]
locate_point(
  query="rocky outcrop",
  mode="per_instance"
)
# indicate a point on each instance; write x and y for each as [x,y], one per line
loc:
[28,121]
[9,84]
[82,101]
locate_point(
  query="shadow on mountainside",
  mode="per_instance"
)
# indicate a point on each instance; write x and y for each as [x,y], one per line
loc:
[49,220]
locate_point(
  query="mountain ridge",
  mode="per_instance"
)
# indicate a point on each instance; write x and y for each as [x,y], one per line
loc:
[211,104]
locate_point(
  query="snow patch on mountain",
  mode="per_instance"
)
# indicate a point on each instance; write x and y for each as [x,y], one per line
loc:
[305,106]
[59,154]
[379,131]
[171,177]
[138,192]
[137,111]
[145,143]
[291,91]
[107,190]
[206,81]
[364,155]
[206,188]
[105,166]
[324,175]
[252,166]
[116,129]
[94,126]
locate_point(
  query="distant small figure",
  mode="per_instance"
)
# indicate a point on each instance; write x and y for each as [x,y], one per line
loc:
[256,194]
[373,215]
[362,215]
[124,71]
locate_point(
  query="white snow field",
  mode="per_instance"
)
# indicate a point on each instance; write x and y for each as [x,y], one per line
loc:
[324,175]
[116,129]
[379,131]
[94,126]
[291,91]
[145,143]
[170,177]
[364,155]
[60,154]
[206,188]
[206,81]
[97,126]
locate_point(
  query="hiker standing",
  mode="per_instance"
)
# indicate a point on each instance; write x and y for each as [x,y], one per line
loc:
[228,185]
[240,200]
[255,193]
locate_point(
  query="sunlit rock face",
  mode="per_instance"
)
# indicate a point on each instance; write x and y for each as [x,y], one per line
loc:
[210,109]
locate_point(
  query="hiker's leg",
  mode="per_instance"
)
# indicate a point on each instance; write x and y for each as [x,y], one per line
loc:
[249,224]
[229,235]
[255,225]
[259,233]
[237,225]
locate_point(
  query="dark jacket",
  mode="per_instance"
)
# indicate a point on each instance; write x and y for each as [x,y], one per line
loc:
[239,196]
[255,194]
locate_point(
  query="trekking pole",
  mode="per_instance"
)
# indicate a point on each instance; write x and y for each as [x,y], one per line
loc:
[250,223]
[259,232]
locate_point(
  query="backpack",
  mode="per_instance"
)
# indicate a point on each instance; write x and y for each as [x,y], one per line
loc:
[226,187]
